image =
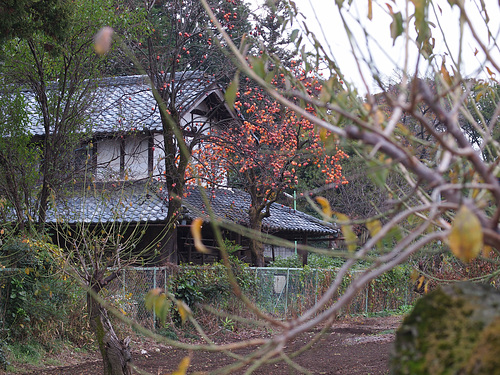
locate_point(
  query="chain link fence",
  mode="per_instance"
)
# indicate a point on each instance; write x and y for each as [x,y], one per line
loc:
[288,292]
[282,292]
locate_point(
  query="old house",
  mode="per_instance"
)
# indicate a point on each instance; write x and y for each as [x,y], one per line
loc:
[123,164]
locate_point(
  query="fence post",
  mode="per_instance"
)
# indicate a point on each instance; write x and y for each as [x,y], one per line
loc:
[286,291]
[154,287]
[316,293]
[367,288]
[124,280]
[165,279]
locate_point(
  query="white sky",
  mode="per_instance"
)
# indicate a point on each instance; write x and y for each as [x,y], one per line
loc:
[322,17]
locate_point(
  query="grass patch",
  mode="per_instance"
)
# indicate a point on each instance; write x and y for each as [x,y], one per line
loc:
[29,352]
[53,362]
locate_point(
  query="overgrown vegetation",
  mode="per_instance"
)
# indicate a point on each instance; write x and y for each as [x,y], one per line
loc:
[38,299]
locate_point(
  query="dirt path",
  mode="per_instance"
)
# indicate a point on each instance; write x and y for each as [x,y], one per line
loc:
[354,346]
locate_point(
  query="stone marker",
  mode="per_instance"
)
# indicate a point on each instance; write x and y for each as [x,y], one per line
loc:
[454,329]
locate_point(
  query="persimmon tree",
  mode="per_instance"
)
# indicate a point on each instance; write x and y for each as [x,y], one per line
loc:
[262,153]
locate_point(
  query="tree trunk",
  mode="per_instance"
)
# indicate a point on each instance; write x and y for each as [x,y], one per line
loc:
[115,353]
[168,252]
[256,246]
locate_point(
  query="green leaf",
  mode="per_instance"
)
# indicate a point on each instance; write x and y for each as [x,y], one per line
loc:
[424,39]
[294,35]
[396,26]
[232,89]
[157,301]
[258,66]
[162,306]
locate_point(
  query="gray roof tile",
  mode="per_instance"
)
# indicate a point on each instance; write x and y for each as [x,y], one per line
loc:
[127,103]
[138,202]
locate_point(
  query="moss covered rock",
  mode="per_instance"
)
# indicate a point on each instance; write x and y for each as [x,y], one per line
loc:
[452,330]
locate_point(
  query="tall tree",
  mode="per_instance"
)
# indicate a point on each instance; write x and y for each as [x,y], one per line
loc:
[58,74]
[264,153]
[24,18]
[179,51]
[19,160]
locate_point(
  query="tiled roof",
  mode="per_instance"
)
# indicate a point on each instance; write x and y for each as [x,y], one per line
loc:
[233,204]
[139,203]
[127,103]
[108,203]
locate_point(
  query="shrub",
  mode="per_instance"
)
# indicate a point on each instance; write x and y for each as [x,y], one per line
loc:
[38,298]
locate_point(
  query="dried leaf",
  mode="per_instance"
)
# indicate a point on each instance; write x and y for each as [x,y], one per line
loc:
[466,236]
[183,366]
[446,74]
[184,310]
[196,232]
[325,206]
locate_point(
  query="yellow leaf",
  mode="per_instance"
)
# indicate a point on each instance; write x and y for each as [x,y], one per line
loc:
[323,134]
[27,271]
[196,232]
[183,366]
[350,237]
[490,72]
[378,117]
[374,227]
[184,310]
[325,206]
[466,236]
[370,10]
[421,280]
[162,305]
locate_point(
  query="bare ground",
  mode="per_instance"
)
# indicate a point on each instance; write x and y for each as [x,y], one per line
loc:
[353,346]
